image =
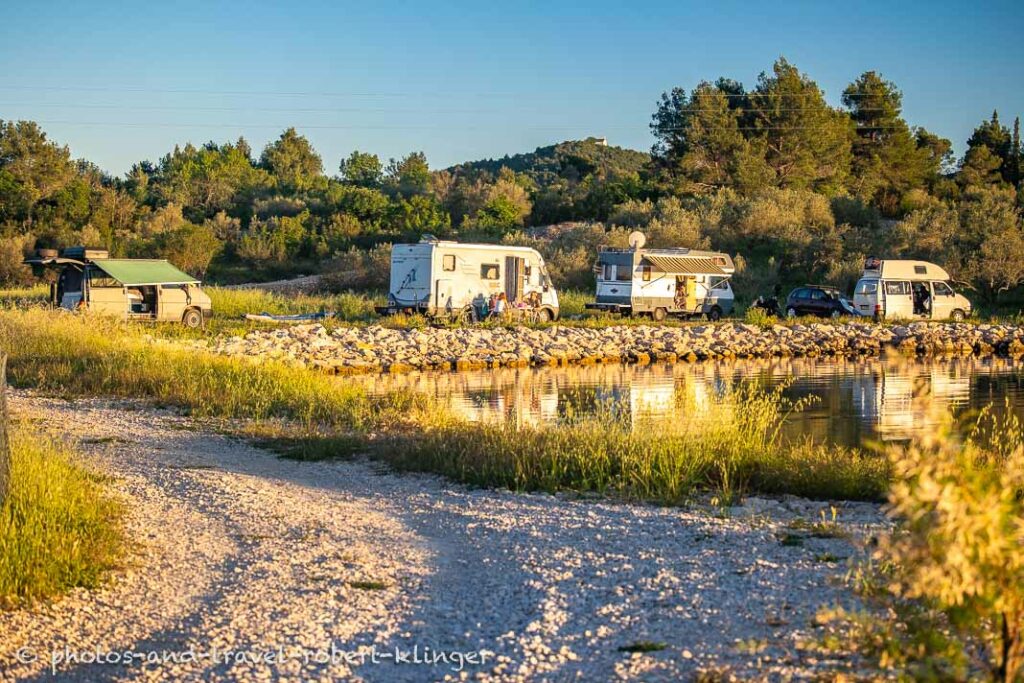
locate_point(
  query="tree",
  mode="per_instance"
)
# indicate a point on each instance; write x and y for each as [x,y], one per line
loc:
[701,144]
[362,170]
[191,247]
[32,169]
[421,214]
[990,240]
[409,175]
[807,142]
[889,160]
[293,161]
[997,138]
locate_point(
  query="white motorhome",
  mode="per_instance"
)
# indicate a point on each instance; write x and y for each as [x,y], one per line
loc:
[892,288]
[454,280]
[661,282]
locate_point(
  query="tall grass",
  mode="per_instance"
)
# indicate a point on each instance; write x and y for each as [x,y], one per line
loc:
[58,528]
[74,354]
[605,453]
[348,306]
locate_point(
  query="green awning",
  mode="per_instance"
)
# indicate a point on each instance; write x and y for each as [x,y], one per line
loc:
[143,272]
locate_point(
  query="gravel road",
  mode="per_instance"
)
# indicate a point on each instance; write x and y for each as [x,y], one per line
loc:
[246,566]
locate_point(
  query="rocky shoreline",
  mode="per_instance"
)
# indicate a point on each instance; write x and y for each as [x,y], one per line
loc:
[375,348]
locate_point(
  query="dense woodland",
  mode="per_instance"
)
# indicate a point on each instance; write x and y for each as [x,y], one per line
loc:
[796,188]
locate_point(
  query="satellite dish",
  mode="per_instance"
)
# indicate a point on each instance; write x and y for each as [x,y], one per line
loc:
[637,239]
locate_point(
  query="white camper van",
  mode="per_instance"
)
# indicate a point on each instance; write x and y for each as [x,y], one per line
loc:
[908,289]
[453,280]
[662,282]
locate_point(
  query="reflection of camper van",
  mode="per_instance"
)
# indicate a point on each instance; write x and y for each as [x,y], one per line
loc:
[449,279]
[908,289]
[131,289]
[663,282]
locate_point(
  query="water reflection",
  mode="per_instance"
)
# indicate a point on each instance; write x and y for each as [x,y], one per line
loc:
[854,400]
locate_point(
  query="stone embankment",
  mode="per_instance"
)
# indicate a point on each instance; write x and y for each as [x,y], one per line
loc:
[382,349]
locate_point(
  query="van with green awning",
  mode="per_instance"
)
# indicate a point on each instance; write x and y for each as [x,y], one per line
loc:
[133,289]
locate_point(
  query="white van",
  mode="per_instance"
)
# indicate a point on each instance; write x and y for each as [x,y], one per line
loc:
[454,280]
[908,289]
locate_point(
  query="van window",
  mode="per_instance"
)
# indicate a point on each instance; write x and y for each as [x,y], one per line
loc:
[898,288]
[448,263]
[802,294]
[608,271]
[623,273]
[920,270]
[942,289]
[97,278]
[867,287]
[721,284]
[818,295]
[489,271]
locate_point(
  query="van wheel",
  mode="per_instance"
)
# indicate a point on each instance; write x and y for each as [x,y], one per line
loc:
[193,318]
[957,316]
[715,314]
[790,312]
[544,316]
[659,314]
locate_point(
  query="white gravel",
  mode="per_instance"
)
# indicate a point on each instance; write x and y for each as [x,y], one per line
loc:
[240,556]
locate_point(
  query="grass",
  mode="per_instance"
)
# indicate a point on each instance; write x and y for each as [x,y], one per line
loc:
[602,453]
[58,528]
[308,415]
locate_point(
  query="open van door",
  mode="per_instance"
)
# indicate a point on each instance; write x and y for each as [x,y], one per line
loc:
[898,300]
[515,269]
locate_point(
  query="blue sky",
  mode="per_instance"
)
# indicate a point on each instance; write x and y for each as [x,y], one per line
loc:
[123,82]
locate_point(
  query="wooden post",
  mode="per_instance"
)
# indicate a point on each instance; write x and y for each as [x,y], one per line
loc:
[5,448]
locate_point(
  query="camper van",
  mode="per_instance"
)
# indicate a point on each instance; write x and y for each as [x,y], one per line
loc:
[130,289]
[463,281]
[662,282]
[908,289]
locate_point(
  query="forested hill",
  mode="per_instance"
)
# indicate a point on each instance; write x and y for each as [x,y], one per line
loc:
[572,160]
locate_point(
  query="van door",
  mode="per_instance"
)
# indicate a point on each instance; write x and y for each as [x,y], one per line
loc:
[514,270]
[443,296]
[943,300]
[172,300]
[897,301]
[109,301]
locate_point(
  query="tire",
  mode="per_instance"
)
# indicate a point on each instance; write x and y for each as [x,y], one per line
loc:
[192,318]
[957,316]
[790,312]
[544,315]
[836,313]
[659,314]
[715,314]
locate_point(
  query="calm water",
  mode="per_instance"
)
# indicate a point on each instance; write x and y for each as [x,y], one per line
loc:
[855,400]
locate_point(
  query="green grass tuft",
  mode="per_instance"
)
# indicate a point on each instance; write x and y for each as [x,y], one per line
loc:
[58,528]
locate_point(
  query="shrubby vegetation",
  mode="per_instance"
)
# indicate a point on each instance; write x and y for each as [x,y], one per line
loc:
[945,590]
[797,188]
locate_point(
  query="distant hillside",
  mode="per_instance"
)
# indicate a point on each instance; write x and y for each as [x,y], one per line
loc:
[571,160]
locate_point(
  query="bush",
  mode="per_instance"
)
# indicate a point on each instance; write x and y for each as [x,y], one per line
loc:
[959,548]
[358,269]
[12,251]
